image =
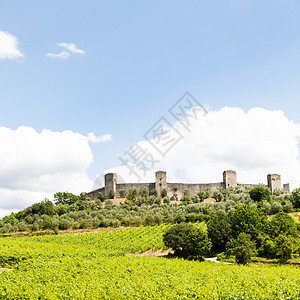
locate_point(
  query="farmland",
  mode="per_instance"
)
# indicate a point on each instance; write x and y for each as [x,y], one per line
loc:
[95,266]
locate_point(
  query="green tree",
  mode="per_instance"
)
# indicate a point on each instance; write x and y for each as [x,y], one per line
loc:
[164,193]
[187,241]
[242,248]
[259,194]
[111,194]
[248,220]
[154,192]
[219,231]
[65,198]
[282,223]
[295,198]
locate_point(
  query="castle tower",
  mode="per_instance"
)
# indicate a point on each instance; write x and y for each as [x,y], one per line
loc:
[229,179]
[274,182]
[110,182]
[160,181]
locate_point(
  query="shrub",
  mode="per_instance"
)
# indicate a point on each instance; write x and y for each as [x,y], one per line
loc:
[285,246]
[111,194]
[101,197]
[166,200]
[219,231]
[242,248]
[187,241]
[154,192]
[259,194]
[276,207]
[132,194]
[122,193]
[164,193]
[144,192]
[282,223]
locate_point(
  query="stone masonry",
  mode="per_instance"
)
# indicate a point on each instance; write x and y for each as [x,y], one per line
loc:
[175,190]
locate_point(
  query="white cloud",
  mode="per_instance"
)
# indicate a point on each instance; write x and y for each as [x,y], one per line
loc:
[70,48]
[36,165]
[101,139]
[62,55]
[254,143]
[9,46]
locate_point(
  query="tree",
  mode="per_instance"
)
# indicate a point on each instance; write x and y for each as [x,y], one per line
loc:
[132,194]
[285,246]
[154,192]
[242,248]
[164,193]
[65,198]
[187,241]
[295,198]
[219,231]
[111,194]
[248,220]
[259,194]
[282,223]
[122,193]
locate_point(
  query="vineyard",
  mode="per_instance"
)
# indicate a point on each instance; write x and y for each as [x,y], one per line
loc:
[95,266]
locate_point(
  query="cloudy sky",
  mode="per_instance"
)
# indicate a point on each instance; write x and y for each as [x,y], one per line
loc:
[86,86]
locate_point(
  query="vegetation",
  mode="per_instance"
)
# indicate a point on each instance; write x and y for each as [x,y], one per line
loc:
[95,266]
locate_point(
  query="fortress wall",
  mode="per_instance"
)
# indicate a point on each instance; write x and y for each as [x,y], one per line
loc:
[251,186]
[138,186]
[94,194]
[194,188]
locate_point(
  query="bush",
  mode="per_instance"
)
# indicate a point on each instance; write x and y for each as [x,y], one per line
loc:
[276,207]
[242,248]
[166,200]
[285,246]
[111,194]
[164,193]
[282,223]
[187,241]
[101,197]
[154,192]
[259,194]
[219,231]
[122,193]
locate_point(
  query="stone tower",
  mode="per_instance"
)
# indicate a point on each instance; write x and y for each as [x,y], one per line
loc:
[110,182]
[274,182]
[160,181]
[229,179]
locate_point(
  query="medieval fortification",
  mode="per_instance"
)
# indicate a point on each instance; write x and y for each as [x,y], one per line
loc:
[176,189]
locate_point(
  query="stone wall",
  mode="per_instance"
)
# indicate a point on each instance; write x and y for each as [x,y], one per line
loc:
[138,186]
[177,189]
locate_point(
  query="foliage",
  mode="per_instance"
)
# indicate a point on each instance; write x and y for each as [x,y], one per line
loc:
[154,192]
[111,194]
[282,223]
[248,220]
[122,193]
[295,198]
[95,266]
[219,231]
[132,194]
[259,194]
[187,241]
[164,193]
[101,197]
[65,198]
[242,248]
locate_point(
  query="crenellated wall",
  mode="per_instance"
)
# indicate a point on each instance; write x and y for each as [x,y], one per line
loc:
[176,190]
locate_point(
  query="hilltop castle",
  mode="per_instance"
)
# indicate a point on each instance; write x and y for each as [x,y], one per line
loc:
[229,180]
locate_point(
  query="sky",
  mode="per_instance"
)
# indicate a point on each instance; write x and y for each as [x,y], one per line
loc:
[83,83]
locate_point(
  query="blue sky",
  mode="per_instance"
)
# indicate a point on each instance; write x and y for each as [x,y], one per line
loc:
[139,58]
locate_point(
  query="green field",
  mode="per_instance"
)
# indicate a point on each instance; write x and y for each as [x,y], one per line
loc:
[95,266]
